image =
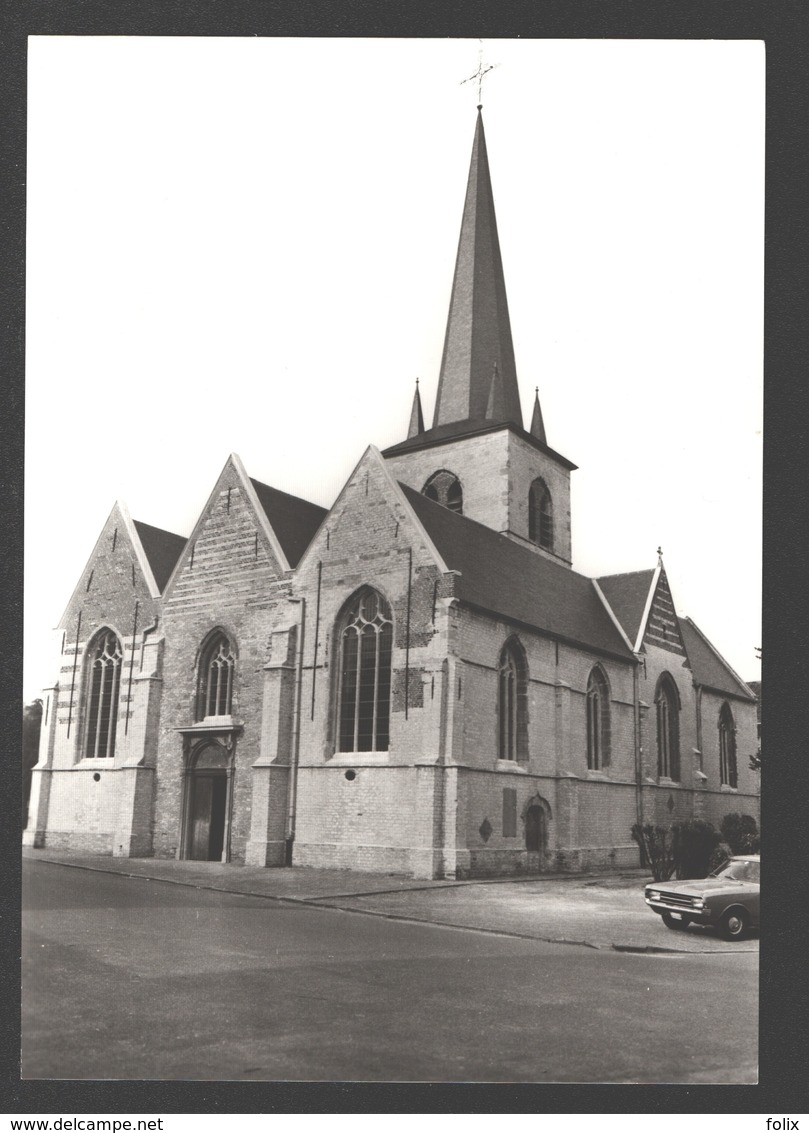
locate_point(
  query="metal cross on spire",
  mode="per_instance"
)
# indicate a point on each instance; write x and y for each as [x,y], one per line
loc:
[481,71]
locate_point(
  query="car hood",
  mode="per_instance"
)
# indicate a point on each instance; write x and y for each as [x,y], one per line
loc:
[699,887]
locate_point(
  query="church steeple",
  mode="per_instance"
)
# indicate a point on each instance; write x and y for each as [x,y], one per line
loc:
[502,476]
[478,335]
[537,424]
[416,416]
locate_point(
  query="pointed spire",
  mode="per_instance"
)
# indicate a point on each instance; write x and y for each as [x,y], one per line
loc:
[416,416]
[478,326]
[537,424]
[494,408]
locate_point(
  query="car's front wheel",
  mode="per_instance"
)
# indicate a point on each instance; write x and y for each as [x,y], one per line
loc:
[673,922]
[733,924]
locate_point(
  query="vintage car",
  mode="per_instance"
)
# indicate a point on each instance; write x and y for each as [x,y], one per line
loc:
[727,900]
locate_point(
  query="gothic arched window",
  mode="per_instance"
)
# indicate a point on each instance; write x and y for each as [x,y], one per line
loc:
[598,721]
[104,660]
[215,685]
[445,488]
[366,645]
[512,703]
[540,515]
[728,775]
[667,702]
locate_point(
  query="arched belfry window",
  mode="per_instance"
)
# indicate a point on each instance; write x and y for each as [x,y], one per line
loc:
[445,488]
[104,659]
[366,644]
[667,703]
[216,670]
[512,703]
[728,774]
[598,721]
[540,515]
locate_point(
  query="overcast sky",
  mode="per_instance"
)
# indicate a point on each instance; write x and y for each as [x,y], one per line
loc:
[247,245]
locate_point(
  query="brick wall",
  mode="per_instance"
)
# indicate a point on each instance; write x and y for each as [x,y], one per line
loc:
[230,579]
[80,803]
[480,463]
[496,471]
[525,464]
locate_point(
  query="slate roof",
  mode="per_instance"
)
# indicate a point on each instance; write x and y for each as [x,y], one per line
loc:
[627,595]
[708,667]
[293,520]
[478,334]
[457,429]
[515,583]
[162,549]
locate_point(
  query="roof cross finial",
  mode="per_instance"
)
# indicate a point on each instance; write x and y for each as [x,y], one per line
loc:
[481,71]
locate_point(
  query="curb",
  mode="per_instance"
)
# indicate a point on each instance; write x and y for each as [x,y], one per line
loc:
[327,902]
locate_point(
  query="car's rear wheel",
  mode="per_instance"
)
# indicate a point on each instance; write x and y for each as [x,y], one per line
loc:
[672,922]
[733,924]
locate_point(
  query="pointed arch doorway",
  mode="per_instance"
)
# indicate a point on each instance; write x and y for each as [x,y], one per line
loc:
[208,793]
[536,817]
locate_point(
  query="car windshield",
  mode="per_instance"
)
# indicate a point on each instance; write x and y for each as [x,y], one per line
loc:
[739,870]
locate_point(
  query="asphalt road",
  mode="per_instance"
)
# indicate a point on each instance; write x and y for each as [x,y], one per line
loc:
[130,978]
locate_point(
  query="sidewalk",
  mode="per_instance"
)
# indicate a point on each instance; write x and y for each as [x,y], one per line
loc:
[596,910]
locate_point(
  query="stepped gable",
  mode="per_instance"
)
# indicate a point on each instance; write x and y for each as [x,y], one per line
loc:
[627,595]
[709,667]
[294,520]
[510,581]
[162,549]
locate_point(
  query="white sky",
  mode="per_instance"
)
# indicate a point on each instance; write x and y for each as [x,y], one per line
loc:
[247,245]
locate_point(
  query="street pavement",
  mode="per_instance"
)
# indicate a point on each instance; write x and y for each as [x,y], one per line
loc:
[142,977]
[600,910]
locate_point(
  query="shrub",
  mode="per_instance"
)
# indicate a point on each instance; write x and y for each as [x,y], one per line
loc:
[656,851]
[693,842]
[741,833]
[719,855]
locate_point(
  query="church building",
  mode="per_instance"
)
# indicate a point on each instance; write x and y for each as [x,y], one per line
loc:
[415,681]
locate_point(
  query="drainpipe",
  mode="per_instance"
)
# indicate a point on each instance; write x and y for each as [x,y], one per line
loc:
[292,797]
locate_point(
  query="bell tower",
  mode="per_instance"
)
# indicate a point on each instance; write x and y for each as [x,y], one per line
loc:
[477,458]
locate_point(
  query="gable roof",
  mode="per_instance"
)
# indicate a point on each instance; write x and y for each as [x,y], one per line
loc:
[162,549]
[708,666]
[294,520]
[515,583]
[627,594]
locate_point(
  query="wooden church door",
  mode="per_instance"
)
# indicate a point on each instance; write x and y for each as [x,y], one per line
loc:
[207,804]
[207,833]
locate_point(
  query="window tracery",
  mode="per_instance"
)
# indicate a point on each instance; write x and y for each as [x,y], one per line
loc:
[102,699]
[366,645]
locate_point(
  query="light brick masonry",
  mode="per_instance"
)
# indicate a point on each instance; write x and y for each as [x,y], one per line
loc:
[267,783]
